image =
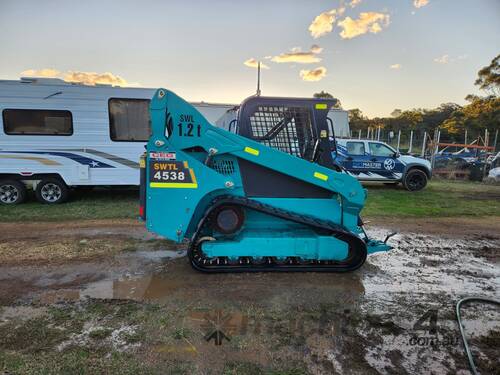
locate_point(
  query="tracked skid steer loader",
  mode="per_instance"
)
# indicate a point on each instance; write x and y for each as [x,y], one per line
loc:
[267,198]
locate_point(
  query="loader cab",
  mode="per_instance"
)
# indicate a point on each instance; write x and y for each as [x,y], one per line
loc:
[297,126]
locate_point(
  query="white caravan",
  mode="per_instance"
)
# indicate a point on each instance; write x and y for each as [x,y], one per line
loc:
[56,135]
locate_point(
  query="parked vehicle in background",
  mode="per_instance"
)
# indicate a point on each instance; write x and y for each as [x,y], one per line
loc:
[56,136]
[494,172]
[370,160]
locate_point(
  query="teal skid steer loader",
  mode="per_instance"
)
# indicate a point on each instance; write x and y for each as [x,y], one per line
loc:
[263,198]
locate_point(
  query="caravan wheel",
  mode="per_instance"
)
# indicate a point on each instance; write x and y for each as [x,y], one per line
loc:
[12,192]
[51,191]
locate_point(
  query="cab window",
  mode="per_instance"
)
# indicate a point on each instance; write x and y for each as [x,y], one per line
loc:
[356,148]
[379,149]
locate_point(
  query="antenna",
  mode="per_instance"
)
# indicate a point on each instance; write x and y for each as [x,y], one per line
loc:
[258,79]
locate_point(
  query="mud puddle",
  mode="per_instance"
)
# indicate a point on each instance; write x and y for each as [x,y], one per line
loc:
[419,265]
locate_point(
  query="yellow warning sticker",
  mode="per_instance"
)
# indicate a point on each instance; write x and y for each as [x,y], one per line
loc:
[252,151]
[321,106]
[321,176]
[171,174]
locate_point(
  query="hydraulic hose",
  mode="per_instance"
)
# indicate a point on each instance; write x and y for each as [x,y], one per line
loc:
[459,319]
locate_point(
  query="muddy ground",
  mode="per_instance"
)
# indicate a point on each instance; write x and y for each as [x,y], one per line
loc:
[107,297]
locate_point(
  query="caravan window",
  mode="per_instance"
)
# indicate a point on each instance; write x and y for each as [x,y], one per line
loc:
[37,122]
[129,120]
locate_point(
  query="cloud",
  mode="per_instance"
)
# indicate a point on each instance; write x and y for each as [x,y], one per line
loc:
[323,24]
[420,3]
[86,78]
[316,49]
[368,22]
[253,63]
[93,78]
[313,75]
[354,3]
[45,73]
[445,59]
[395,66]
[297,56]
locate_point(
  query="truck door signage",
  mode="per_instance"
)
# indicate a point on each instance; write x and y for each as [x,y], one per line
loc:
[389,164]
[366,165]
[171,174]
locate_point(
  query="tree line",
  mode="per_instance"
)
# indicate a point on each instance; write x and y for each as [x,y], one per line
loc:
[480,112]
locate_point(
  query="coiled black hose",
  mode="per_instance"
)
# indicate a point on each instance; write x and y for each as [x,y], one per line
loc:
[459,319]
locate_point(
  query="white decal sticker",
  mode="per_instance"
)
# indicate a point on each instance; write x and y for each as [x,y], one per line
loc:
[162,155]
[389,164]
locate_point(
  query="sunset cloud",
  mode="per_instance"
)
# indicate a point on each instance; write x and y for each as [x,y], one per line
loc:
[93,78]
[323,24]
[45,73]
[420,3]
[85,78]
[445,59]
[316,49]
[253,63]
[354,3]
[313,75]
[395,66]
[297,56]
[368,22]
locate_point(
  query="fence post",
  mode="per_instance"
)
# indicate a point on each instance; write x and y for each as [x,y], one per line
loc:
[411,142]
[359,135]
[465,136]
[399,139]
[423,145]
[495,141]
[435,148]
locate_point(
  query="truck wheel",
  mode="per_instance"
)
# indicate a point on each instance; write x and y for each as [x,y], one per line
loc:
[12,192]
[51,191]
[415,180]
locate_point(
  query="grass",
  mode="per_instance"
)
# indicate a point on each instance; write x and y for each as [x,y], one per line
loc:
[30,346]
[440,198]
[94,204]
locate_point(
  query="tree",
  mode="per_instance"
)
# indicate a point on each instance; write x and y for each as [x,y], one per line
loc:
[323,95]
[489,77]
[396,113]
[326,95]
[482,113]
[357,120]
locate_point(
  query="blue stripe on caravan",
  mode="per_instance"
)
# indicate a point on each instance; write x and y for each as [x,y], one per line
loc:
[92,163]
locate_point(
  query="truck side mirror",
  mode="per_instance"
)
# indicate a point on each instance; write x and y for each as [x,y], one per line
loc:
[397,154]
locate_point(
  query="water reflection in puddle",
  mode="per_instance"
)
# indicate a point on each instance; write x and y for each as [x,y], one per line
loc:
[418,264]
[141,288]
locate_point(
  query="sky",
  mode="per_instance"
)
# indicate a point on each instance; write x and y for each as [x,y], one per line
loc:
[375,55]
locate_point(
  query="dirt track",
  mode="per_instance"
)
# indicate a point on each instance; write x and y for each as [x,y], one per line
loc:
[362,322]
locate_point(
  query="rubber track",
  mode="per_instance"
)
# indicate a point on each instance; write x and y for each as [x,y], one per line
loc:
[357,247]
